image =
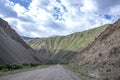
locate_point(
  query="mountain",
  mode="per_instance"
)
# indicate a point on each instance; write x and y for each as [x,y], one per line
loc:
[13,50]
[104,53]
[27,38]
[63,48]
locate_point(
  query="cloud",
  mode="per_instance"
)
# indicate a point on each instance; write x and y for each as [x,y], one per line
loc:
[107,4]
[56,25]
[6,9]
[44,18]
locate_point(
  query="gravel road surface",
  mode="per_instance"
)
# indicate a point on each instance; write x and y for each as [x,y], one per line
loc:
[57,72]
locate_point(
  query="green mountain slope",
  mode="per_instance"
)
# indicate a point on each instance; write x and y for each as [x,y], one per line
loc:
[63,47]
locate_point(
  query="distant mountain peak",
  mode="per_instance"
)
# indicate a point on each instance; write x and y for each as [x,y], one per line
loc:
[28,38]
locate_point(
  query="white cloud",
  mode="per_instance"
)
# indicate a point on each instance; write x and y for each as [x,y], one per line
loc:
[46,18]
[19,9]
[88,5]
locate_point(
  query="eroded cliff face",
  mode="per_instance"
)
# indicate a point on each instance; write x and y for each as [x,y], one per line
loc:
[12,48]
[105,48]
[104,52]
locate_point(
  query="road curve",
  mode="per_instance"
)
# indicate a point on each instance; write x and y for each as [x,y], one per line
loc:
[57,72]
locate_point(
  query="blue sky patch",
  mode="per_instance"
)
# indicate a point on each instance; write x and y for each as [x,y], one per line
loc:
[107,16]
[64,8]
[59,1]
[57,14]
[24,3]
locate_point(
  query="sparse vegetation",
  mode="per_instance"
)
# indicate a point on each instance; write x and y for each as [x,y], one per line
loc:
[9,67]
[56,62]
[114,51]
[13,68]
[81,71]
[100,54]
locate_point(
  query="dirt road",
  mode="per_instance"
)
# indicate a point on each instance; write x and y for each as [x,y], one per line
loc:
[57,72]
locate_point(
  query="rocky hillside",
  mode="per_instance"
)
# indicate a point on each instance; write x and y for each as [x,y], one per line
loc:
[104,53]
[63,48]
[12,48]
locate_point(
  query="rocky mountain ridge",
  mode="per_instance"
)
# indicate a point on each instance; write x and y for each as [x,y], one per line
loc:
[13,50]
[104,53]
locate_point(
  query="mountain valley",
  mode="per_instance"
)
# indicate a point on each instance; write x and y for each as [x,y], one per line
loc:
[97,48]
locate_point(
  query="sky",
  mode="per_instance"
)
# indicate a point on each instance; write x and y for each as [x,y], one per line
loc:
[45,18]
